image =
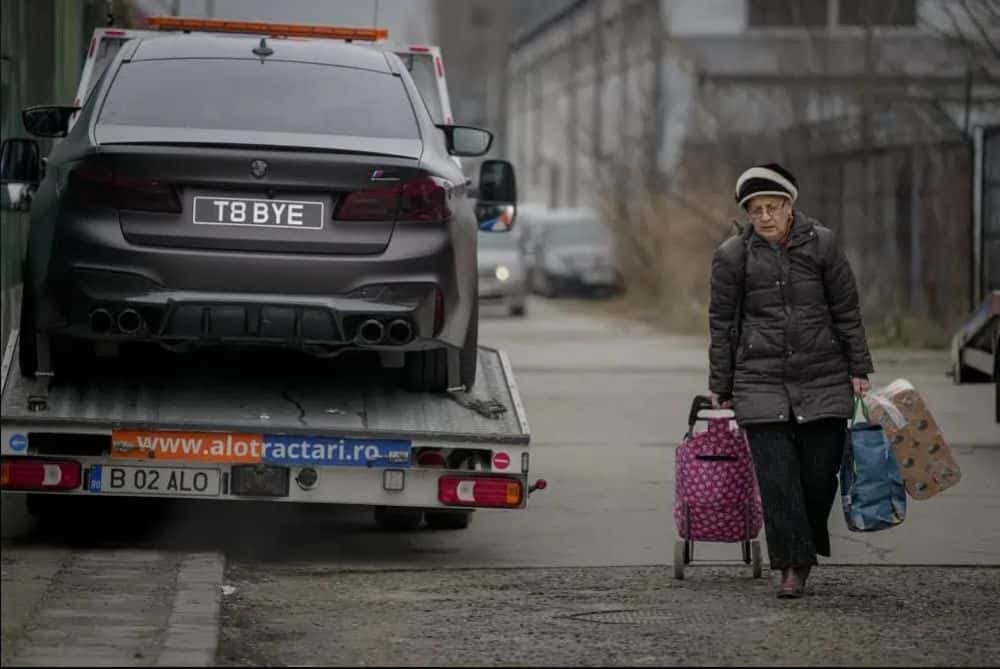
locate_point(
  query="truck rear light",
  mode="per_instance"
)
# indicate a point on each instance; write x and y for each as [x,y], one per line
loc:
[99,186]
[493,491]
[39,475]
[423,199]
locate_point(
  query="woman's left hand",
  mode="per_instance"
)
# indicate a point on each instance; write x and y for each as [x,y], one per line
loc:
[861,385]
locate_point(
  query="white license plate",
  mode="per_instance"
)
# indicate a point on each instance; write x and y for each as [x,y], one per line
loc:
[291,214]
[116,479]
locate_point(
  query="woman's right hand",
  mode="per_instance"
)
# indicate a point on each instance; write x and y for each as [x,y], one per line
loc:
[721,403]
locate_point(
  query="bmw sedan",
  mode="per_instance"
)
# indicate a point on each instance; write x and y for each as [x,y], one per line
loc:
[223,190]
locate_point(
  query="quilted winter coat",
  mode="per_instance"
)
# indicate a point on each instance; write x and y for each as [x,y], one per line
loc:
[800,339]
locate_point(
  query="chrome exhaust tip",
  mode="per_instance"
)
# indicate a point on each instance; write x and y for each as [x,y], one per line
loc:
[129,321]
[371,332]
[101,320]
[400,332]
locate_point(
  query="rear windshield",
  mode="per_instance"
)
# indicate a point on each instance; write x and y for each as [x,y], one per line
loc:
[276,96]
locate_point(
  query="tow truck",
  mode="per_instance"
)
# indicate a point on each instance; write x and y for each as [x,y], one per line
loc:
[293,430]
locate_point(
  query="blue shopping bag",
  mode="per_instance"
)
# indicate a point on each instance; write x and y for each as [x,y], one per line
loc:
[871,486]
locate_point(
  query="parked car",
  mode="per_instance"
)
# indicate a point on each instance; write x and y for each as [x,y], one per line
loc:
[181,210]
[502,277]
[574,253]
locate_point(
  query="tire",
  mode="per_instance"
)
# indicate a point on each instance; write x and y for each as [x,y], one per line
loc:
[679,561]
[427,371]
[397,519]
[518,310]
[448,520]
[756,559]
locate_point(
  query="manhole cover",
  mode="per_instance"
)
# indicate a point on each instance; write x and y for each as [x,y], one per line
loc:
[627,617]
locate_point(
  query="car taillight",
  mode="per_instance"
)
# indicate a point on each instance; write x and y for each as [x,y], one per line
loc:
[494,491]
[99,186]
[39,475]
[423,199]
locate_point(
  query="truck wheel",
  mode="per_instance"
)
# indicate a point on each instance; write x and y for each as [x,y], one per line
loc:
[397,519]
[448,520]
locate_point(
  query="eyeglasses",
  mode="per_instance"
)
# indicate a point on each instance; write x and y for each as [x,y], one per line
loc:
[771,209]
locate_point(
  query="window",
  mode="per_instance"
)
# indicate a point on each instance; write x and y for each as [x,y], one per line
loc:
[277,96]
[881,13]
[787,13]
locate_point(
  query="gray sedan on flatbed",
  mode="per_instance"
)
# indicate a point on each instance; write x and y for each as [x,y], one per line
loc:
[229,189]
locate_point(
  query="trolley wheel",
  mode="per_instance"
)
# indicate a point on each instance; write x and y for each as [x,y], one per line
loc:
[688,552]
[679,561]
[757,560]
[746,551]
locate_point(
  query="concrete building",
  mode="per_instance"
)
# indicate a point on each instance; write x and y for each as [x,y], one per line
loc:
[638,79]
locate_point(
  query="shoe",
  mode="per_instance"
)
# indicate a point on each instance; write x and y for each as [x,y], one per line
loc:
[791,584]
[803,575]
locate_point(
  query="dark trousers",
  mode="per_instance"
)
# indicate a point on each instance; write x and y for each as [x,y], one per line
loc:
[797,466]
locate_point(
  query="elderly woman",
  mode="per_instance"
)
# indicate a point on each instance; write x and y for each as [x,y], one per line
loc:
[789,354]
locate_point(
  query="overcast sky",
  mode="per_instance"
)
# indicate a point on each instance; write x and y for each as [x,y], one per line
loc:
[408,21]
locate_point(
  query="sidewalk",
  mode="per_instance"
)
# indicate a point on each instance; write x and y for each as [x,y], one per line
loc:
[853,616]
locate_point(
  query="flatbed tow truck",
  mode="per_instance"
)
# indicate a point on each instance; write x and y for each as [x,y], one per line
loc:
[281,427]
[292,430]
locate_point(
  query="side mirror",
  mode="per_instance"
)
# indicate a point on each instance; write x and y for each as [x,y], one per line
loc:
[496,205]
[467,142]
[20,172]
[48,120]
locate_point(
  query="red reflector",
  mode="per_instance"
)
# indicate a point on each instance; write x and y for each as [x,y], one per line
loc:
[493,491]
[419,49]
[39,475]
[114,33]
[440,67]
[90,51]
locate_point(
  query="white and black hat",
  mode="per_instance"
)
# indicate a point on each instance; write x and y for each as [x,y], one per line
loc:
[770,179]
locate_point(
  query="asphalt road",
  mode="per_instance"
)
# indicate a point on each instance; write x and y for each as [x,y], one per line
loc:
[607,401]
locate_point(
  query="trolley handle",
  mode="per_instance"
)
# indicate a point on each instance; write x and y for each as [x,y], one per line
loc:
[700,403]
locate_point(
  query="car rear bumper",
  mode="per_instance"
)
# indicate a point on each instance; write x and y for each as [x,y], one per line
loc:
[191,295]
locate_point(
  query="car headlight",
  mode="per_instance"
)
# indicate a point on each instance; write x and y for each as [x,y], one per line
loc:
[503,273]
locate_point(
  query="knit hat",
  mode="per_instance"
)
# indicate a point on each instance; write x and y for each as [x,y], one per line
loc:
[770,179]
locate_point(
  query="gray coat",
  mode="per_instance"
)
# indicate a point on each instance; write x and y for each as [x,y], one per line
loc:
[800,339]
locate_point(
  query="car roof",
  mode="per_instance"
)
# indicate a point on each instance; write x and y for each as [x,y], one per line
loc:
[324,52]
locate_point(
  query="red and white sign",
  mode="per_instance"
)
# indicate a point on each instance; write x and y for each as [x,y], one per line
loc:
[501,461]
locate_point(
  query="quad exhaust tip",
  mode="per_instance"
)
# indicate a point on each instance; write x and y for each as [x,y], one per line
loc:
[129,321]
[400,331]
[101,320]
[371,332]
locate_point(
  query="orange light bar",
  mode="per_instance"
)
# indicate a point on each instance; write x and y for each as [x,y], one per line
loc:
[272,29]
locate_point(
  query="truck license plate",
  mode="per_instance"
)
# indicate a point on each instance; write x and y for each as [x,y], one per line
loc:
[115,479]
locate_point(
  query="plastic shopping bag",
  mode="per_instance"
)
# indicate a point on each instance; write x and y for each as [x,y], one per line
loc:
[871,486]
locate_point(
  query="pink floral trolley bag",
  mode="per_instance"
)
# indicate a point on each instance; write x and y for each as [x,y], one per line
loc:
[715,496]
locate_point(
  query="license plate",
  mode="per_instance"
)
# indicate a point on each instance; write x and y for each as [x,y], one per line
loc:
[292,214]
[121,480]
